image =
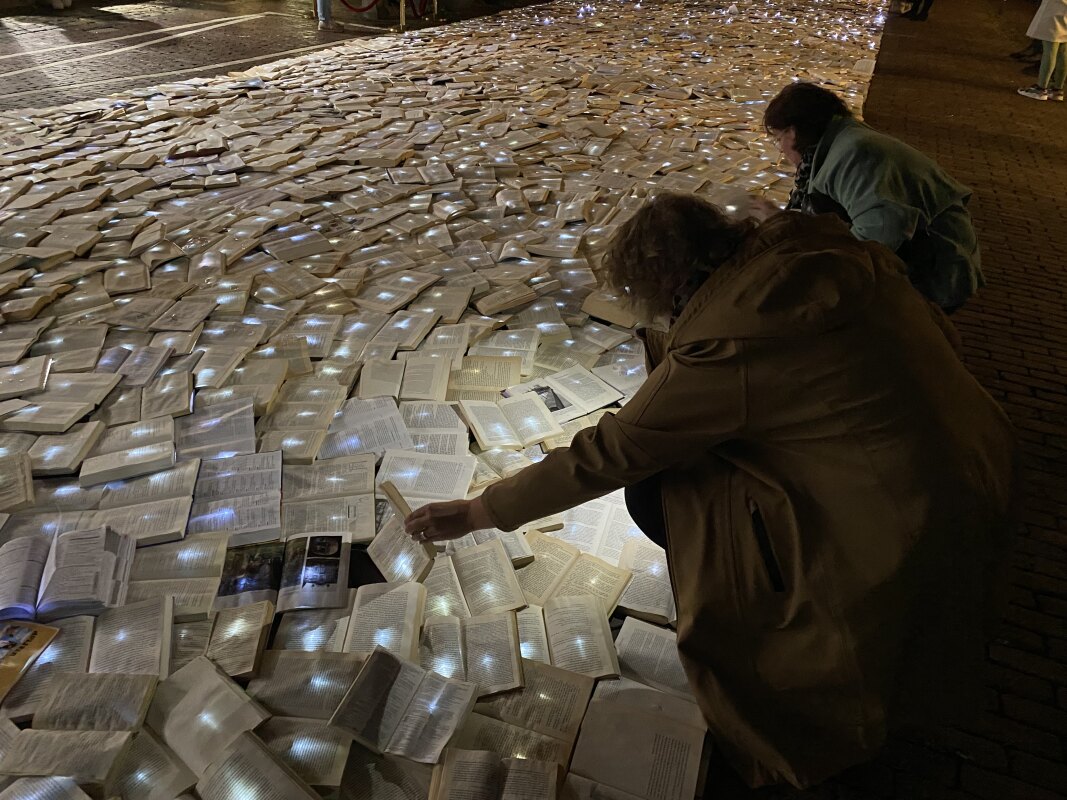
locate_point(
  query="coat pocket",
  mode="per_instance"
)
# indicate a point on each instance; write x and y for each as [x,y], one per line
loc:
[766,548]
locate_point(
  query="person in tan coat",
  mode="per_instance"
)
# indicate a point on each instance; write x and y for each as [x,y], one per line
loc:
[832,486]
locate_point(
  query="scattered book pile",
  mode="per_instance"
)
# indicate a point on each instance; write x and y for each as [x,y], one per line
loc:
[244,319]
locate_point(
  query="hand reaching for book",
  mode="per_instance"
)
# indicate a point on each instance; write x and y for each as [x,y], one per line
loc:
[450,520]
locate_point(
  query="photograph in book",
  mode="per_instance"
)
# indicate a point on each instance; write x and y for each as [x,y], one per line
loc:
[315,572]
[21,643]
[251,573]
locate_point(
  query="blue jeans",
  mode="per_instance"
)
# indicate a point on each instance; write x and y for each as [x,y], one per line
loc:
[1053,72]
[323,10]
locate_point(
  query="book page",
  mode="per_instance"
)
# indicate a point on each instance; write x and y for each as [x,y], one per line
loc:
[67,652]
[151,771]
[238,638]
[490,425]
[90,758]
[552,558]
[398,556]
[314,629]
[530,418]
[337,477]
[470,774]
[352,515]
[198,711]
[380,379]
[44,789]
[617,528]
[369,776]
[514,543]
[649,654]
[440,705]
[247,519]
[250,771]
[387,615]
[378,700]
[491,652]
[487,372]
[441,647]
[444,597]
[425,379]
[663,755]
[239,476]
[193,597]
[429,476]
[582,388]
[315,571]
[149,523]
[316,752]
[223,430]
[188,640]
[202,557]
[22,563]
[365,426]
[134,639]
[552,702]
[533,639]
[488,579]
[579,638]
[649,594]
[292,683]
[589,575]
[100,702]
[527,779]
[480,732]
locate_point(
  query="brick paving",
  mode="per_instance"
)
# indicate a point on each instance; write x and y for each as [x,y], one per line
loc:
[947,87]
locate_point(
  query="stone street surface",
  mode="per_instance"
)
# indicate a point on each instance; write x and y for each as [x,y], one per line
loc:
[634,98]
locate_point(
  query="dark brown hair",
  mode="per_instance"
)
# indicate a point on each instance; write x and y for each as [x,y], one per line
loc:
[671,238]
[806,108]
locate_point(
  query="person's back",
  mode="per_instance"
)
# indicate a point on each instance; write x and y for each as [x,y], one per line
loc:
[881,474]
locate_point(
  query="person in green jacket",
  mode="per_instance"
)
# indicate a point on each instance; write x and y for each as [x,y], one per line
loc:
[887,191]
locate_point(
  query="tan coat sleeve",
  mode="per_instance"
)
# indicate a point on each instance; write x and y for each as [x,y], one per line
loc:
[692,401]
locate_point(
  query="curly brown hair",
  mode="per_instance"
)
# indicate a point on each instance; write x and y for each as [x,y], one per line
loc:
[670,239]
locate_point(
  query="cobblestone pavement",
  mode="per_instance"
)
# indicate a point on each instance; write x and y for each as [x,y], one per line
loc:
[98,48]
[947,87]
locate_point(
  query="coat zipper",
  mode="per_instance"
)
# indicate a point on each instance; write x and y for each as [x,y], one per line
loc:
[763,541]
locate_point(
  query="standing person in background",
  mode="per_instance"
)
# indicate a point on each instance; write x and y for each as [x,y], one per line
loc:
[1050,27]
[886,190]
[324,12]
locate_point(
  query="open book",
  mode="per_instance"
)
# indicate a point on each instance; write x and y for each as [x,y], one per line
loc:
[648,595]
[95,702]
[663,737]
[199,711]
[92,759]
[238,637]
[315,571]
[482,650]
[134,638]
[300,684]
[152,771]
[474,581]
[513,422]
[483,774]
[67,652]
[78,572]
[562,570]
[649,654]
[387,615]
[249,770]
[315,751]
[579,638]
[396,554]
[395,706]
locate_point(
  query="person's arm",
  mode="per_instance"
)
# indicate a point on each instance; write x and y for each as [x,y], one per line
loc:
[692,401]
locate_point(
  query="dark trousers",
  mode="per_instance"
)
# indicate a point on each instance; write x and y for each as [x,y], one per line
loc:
[920,8]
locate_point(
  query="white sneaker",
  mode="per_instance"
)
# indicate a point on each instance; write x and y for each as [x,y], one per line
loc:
[1035,93]
[336,27]
[1057,95]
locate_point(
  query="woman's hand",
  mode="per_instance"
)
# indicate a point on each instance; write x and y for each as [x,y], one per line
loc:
[437,522]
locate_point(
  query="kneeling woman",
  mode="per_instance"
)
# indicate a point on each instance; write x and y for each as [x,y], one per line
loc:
[831,484]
